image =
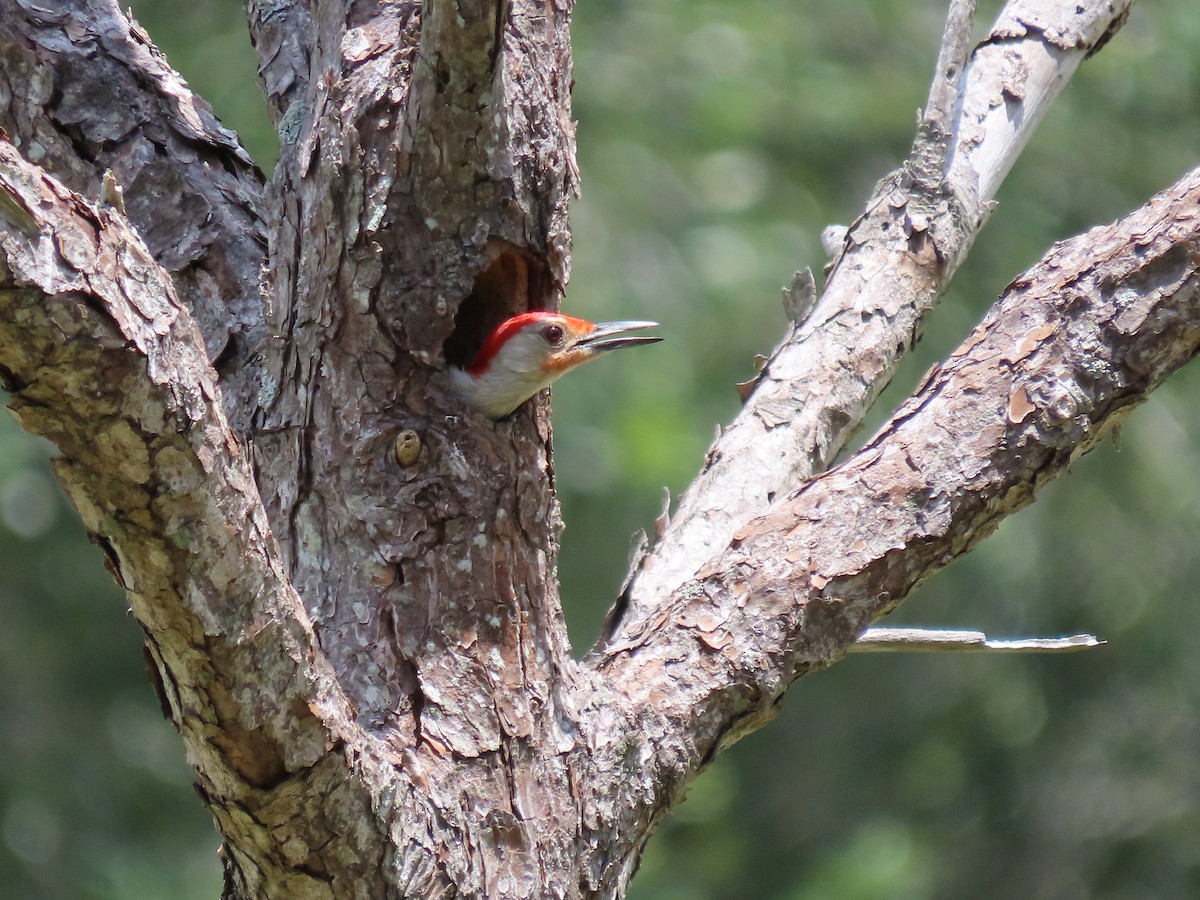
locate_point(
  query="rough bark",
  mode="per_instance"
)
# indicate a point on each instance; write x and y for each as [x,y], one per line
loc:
[896,260]
[1061,359]
[347,585]
[82,91]
[103,359]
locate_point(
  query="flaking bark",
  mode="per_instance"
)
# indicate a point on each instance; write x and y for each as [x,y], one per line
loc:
[103,359]
[897,259]
[362,645]
[82,91]
[1062,358]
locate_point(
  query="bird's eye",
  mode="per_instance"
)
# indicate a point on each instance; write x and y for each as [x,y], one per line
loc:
[553,334]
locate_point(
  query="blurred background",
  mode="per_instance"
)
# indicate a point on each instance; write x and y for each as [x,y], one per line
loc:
[716,140]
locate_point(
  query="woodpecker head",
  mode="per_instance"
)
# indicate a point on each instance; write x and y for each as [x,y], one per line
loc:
[527,352]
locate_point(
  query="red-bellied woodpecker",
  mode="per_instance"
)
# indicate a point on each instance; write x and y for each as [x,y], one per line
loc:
[527,352]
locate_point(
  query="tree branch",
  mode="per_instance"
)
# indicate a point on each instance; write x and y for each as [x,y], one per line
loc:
[88,92]
[283,37]
[1063,357]
[932,640]
[103,359]
[897,259]
[935,131]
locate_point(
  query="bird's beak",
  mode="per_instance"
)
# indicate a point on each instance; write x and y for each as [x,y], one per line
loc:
[603,337]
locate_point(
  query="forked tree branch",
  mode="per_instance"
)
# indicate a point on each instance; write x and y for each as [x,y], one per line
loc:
[443,740]
[897,259]
[1063,357]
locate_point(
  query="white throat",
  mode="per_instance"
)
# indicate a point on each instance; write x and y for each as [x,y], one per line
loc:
[514,375]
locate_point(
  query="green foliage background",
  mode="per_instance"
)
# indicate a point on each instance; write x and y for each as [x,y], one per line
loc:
[716,140]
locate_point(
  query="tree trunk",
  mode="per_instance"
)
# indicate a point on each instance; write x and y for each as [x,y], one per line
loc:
[346,579]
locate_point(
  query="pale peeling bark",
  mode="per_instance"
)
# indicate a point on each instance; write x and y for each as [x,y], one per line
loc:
[1059,361]
[351,601]
[897,259]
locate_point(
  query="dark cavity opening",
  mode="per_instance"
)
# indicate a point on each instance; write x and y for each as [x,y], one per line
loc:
[513,282]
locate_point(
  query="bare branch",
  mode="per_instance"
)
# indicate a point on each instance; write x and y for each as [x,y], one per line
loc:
[897,259]
[1063,357]
[933,640]
[90,93]
[935,133]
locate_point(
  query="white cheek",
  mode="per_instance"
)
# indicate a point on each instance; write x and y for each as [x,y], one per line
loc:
[515,375]
[526,353]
